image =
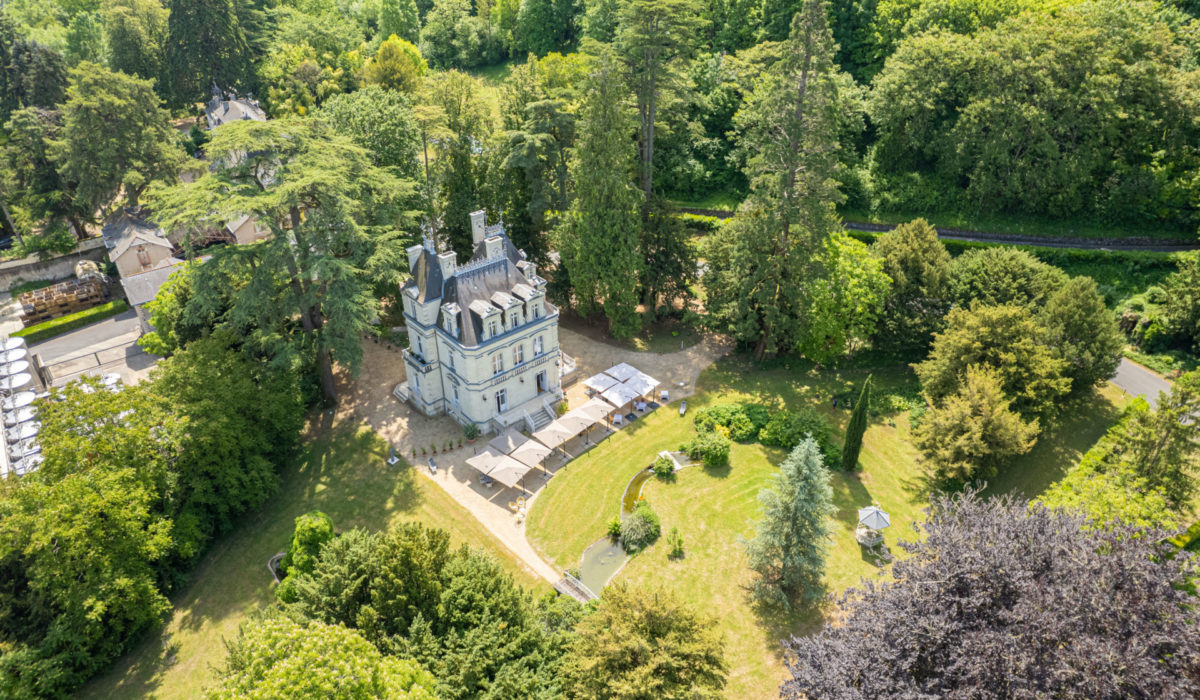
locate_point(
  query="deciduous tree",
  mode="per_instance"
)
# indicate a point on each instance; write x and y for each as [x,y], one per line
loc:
[996,594]
[136,33]
[639,644]
[399,17]
[380,121]
[397,65]
[919,267]
[1084,332]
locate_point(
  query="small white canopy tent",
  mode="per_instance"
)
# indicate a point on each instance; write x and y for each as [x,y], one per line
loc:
[599,382]
[622,372]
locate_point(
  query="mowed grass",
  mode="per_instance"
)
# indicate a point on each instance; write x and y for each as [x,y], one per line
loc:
[343,472]
[715,509]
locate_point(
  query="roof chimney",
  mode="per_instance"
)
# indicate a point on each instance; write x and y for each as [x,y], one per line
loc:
[478,226]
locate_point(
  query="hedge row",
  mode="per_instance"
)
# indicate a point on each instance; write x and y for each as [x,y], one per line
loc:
[63,324]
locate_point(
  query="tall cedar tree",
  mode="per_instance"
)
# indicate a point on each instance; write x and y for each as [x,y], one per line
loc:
[996,598]
[598,236]
[335,224]
[611,655]
[856,428]
[466,123]
[762,284]
[206,44]
[114,137]
[40,198]
[655,39]
[790,542]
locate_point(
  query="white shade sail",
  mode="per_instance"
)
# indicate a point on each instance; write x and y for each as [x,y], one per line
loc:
[873,517]
[506,442]
[13,355]
[17,381]
[20,400]
[599,382]
[20,415]
[15,367]
[553,435]
[642,383]
[531,453]
[622,372]
[23,431]
[620,395]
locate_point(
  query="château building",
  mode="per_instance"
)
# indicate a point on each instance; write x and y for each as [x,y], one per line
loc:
[482,338]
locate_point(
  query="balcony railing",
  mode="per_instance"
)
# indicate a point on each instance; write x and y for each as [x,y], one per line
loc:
[417,362]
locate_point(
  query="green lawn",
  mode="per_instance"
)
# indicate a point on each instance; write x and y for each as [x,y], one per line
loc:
[343,473]
[713,509]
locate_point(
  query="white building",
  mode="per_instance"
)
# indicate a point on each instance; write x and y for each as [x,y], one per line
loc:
[482,338]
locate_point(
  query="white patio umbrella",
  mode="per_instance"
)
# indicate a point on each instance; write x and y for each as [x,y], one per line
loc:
[27,465]
[873,518]
[620,395]
[575,421]
[23,431]
[16,381]
[622,372]
[24,449]
[20,415]
[508,471]
[506,442]
[13,355]
[599,382]
[16,367]
[485,460]
[642,383]
[531,453]
[11,344]
[553,435]
[16,401]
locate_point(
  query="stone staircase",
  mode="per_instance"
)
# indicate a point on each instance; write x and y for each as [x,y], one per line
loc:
[539,419]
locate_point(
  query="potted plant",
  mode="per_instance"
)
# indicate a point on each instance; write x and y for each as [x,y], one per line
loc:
[471,431]
[433,448]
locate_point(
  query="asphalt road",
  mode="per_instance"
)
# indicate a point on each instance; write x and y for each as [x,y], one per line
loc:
[98,335]
[1136,380]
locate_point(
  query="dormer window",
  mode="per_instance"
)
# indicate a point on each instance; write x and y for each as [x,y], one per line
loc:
[537,310]
[512,320]
[493,328]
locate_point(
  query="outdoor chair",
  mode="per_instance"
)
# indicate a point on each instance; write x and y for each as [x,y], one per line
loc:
[683,408]
[664,396]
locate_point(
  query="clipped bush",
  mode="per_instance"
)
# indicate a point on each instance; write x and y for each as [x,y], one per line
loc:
[641,528]
[664,468]
[70,322]
[743,420]
[711,448]
[787,429]
[313,529]
[614,527]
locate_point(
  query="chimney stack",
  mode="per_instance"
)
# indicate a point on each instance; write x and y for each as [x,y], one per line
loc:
[478,226]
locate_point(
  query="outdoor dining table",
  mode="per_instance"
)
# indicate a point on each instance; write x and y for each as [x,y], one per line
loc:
[23,431]
[13,355]
[20,415]
[16,401]
[11,368]
[16,381]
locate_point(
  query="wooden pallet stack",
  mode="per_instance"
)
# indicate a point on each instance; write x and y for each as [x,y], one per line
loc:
[61,299]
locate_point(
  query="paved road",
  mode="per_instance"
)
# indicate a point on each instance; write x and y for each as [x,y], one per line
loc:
[1136,380]
[86,339]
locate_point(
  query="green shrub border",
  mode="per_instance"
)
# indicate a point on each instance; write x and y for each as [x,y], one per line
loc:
[79,319]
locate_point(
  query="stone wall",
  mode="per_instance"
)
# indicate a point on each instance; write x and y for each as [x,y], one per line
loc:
[14,272]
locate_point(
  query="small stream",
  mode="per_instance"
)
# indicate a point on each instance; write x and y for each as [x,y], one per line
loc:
[604,557]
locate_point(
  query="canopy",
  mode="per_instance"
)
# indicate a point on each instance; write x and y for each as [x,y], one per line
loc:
[16,381]
[531,453]
[19,415]
[23,431]
[20,400]
[642,383]
[620,395]
[11,344]
[508,471]
[12,368]
[873,517]
[596,409]
[622,371]
[506,442]
[13,355]
[553,435]
[575,422]
[485,460]
[599,382]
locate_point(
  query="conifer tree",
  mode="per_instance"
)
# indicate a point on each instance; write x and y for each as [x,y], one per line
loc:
[790,542]
[598,237]
[856,428]
[206,44]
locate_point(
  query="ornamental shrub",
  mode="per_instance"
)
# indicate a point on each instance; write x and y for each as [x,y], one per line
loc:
[712,448]
[640,528]
[787,429]
[664,468]
[743,420]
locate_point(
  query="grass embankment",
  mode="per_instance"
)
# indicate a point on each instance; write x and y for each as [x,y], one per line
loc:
[714,509]
[70,322]
[343,472]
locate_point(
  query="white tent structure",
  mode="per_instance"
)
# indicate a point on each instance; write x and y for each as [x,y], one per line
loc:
[622,372]
[599,382]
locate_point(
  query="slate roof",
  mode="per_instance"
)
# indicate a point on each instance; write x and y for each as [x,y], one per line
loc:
[143,286]
[227,107]
[127,223]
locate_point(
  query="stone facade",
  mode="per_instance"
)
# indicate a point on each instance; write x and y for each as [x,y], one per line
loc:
[483,340]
